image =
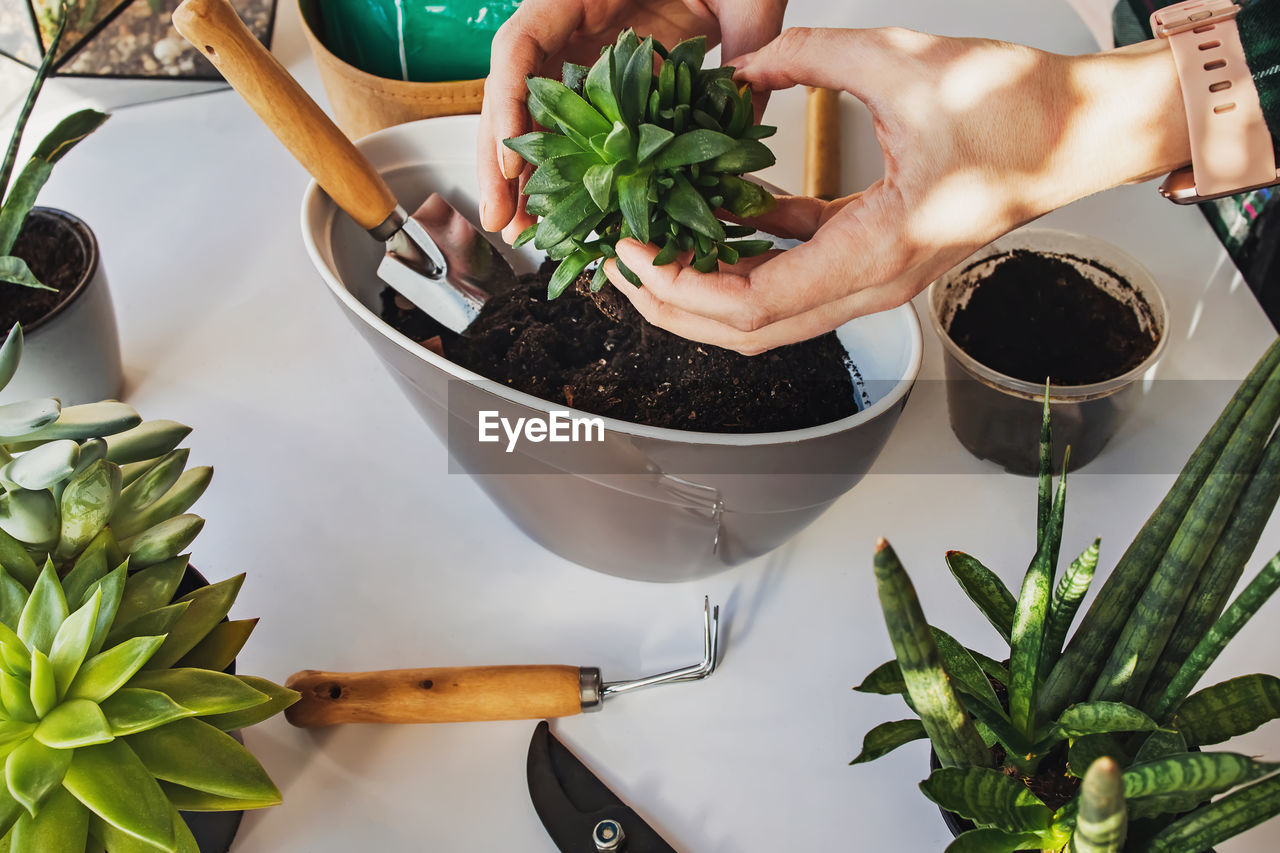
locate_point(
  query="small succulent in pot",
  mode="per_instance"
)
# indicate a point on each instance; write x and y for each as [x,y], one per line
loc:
[631,153]
[1121,688]
[114,699]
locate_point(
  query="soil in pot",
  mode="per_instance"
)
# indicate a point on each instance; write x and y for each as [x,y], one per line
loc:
[595,353]
[56,255]
[1037,315]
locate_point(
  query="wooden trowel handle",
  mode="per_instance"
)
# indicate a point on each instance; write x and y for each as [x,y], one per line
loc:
[822,144]
[349,179]
[441,695]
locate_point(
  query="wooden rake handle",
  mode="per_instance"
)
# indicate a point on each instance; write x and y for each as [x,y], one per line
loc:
[287,110]
[439,695]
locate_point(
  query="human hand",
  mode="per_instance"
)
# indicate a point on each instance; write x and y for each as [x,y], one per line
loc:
[543,34]
[978,137]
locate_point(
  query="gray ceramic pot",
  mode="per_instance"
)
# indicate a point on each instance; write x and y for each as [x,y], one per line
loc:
[73,352]
[644,502]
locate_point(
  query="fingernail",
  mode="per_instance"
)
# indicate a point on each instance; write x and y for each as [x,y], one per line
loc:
[484,214]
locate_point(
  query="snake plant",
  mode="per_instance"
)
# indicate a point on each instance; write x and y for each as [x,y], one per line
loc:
[1121,689]
[20,197]
[632,153]
[114,700]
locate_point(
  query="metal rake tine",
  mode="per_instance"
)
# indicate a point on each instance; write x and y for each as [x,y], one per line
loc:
[695,672]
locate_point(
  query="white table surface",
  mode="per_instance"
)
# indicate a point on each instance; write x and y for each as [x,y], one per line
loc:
[363,552]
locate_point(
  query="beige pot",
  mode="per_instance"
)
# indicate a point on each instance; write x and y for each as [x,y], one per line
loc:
[362,102]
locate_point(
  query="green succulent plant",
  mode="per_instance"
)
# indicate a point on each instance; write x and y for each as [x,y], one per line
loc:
[20,197]
[1121,688]
[114,700]
[631,153]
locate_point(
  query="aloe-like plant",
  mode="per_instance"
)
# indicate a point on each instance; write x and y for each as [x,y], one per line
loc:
[20,197]
[114,700]
[631,153]
[1121,688]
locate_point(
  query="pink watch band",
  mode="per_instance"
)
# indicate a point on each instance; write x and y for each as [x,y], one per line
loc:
[1231,149]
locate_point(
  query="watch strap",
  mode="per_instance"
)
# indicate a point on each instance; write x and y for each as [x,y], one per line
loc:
[1231,147]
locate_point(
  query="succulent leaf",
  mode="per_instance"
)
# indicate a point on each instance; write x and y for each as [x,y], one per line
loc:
[44,612]
[10,354]
[199,756]
[111,587]
[30,516]
[208,606]
[278,698]
[44,689]
[87,504]
[887,737]
[106,672]
[61,825]
[1228,709]
[43,466]
[151,588]
[74,723]
[33,771]
[26,416]
[113,783]
[134,709]
[987,797]
[201,690]
[1103,821]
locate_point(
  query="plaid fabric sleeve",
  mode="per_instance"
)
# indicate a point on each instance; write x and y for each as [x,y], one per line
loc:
[1248,224]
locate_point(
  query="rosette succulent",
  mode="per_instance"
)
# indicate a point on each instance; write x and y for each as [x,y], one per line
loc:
[632,153]
[115,702]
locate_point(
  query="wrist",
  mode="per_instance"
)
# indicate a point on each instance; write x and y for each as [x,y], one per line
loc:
[1126,121]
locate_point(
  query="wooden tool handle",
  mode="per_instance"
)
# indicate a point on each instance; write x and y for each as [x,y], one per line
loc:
[822,144]
[349,179]
[441,695]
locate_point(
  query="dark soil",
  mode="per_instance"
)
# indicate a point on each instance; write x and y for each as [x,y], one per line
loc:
[56,258]
[1037,316]
[595,353]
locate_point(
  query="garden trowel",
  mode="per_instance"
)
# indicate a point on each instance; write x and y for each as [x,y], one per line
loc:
[436,259]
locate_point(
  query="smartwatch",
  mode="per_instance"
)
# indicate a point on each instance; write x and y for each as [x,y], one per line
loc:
[1231,148]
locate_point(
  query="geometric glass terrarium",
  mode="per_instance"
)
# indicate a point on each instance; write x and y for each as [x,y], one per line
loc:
[118,51]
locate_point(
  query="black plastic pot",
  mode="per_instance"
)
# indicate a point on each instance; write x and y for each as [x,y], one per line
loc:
[214,831]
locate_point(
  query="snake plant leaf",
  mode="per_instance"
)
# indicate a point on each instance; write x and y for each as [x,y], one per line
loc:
[14,270]
[567,107]
[163,541]
[1235,617]
[16,562]
[985,589]
[43,466]
[26,416]
[191,800]
[540,147]
[886,679]
[887,737]
[44,689]
[106,672]
[696,146]
[964,670]
[134,709]
[278,699]
[220,646]
[151,588]
[74,724]
[63,824]
[992,840]
[1095,718]
[111,588]
[954,738]
[987,797]
[89,420]
[1205,773]
[15,695]
[190,486]
[997,724]
[33,771]
[44,612]
[152,485]
[1228,709]
[197,755]
[1222,819]
[1067,596]
[116,785]
[30,517]
[201,690]
[153,623]
[208,606]
[10,354]
[1161,743]
[87,504]
[1103,822]
[1083,751]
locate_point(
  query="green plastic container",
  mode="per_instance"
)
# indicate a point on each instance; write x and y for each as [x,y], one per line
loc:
[419,40]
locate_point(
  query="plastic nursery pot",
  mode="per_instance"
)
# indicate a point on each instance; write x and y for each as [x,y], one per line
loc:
[642,502]
[73,346]
[996,416]
[363,102]
[213,831]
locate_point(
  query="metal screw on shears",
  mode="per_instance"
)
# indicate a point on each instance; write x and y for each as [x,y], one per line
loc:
[592,690]
[608,835]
